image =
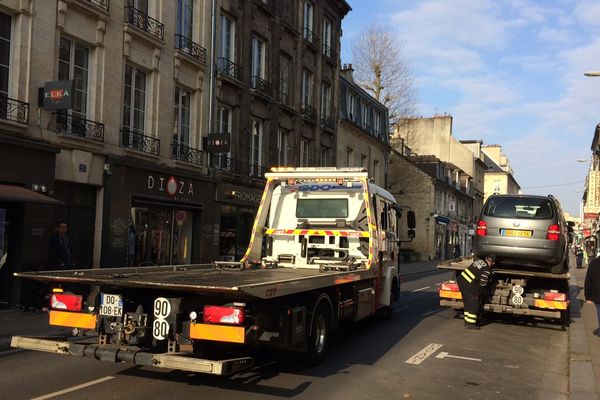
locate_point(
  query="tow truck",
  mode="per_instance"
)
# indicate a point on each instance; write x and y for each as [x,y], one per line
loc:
[323,252]
[519,292]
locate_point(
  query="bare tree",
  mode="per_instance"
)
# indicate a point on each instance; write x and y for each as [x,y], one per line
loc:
[382,68]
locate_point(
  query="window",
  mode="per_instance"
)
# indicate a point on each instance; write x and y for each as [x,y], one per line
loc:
[327,25]
[349,157]
[226,38]
[307,88]
[285,77]
[325,100]
[185,10]
[322,208]
[258,60]
[304,153]
[375,172]
[324,156]
[73,64]
[134,102]
[283,137]
[224,118]
[5,27]
[519,207]
[377,122]
[363,161]
[352,106]
[256,147]
[365,116]
[141,5]
[181,126]
[308,21]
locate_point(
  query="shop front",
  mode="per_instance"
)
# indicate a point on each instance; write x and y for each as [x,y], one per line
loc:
[156,217]
[27,209]
[237,207]
[441,235]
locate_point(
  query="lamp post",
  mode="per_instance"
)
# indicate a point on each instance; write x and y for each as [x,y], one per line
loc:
[592,73]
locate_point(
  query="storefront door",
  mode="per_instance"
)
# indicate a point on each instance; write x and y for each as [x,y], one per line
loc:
[235,231]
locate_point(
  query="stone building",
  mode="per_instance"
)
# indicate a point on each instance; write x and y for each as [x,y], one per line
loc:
[105,110]
[499,175]
[479,170]
[363,139]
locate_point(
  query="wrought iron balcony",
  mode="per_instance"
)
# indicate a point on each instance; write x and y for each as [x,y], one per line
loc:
[78,126]
[257,170]
[309,112]
[103,4]
[224,163]
[140,142]
[327,122]
[326,50]
[268,4]
[14,110]
[185,153]
[261,85]
[144,22]
[229,68]
[311,37]
[189,47]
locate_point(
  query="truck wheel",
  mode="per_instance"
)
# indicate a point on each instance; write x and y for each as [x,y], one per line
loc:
[320,335]
[388,311]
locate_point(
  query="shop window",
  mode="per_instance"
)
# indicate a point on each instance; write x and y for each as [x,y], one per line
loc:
[235,232]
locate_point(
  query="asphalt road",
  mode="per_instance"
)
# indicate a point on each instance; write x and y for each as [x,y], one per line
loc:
[423,352]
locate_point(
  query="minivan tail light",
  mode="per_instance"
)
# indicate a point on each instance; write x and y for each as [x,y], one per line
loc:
[481,228]
[553,232]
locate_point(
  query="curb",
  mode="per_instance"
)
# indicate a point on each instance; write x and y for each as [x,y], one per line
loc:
[582,383]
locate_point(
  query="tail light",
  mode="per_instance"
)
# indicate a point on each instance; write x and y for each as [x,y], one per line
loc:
[224,315]
[450,287]
[553,232]
[62,301]
[555,296]
[481,228]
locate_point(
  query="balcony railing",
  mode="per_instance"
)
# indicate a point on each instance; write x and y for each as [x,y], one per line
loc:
[309,112]
[327,122]
[229,68]
[14,110]
[191,48]
[144,22]
[257,170]
[268,4]
[79,126]
[140,142]
[185,153]
[261,85]
[224,163]
[311,37]
[103,4]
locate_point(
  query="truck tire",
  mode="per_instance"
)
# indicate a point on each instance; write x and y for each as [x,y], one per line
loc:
[388,311]
[320,335]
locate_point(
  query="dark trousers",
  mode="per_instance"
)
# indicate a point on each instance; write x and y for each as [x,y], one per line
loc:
[470,302]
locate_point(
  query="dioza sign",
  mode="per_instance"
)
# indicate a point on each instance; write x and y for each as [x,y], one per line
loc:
[171,185]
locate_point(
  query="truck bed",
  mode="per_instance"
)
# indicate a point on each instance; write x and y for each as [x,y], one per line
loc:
[206,278]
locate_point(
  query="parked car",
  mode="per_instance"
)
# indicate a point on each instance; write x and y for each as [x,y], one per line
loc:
[525,231]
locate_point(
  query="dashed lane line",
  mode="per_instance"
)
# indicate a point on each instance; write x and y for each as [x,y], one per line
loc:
[74,388]
[418,290]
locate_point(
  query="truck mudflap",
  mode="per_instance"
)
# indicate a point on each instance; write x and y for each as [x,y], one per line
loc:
[133,355]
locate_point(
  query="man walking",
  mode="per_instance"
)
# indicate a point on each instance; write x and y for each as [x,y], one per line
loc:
[472,282]
[60,248]
[592,287]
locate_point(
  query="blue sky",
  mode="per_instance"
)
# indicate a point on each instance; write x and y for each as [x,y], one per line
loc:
[510,72]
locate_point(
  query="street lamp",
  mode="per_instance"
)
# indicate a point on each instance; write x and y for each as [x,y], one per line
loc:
[592,73]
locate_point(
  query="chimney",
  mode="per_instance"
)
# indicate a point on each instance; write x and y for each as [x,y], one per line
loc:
[347,71]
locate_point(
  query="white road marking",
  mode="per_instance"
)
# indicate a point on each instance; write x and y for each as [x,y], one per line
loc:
[74,388]
[423,354]
[418,290]
[443,354]
[438,284]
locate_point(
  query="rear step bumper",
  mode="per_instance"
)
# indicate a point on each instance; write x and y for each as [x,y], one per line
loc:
[181,361]
[456,304]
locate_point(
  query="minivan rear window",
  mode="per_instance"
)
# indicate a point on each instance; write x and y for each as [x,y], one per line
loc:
[519,207]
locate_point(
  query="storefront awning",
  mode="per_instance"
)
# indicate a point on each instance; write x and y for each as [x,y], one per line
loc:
[18,194]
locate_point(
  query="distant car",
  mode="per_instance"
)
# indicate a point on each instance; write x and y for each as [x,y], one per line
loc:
[524,231]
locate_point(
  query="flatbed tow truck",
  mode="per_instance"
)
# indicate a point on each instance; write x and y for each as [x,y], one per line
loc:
[513,291]
[323,252]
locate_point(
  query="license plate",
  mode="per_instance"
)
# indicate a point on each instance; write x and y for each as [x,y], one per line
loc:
[515,233]
[111,305]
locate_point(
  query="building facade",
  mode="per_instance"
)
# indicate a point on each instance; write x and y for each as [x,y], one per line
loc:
[363,139]
[499,175]
[104,116]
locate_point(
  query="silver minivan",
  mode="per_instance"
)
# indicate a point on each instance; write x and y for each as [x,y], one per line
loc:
[523,231]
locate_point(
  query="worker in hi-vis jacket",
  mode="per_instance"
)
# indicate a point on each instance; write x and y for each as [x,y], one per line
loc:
[472,282]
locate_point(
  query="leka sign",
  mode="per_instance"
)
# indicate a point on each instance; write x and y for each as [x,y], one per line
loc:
[58,95]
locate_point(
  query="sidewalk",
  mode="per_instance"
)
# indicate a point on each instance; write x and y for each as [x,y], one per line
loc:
[584,357]
[14,322]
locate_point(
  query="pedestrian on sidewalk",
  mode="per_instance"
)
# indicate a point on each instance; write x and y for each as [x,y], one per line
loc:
[579,256]
[60,255]
[592,288]
[472,283]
